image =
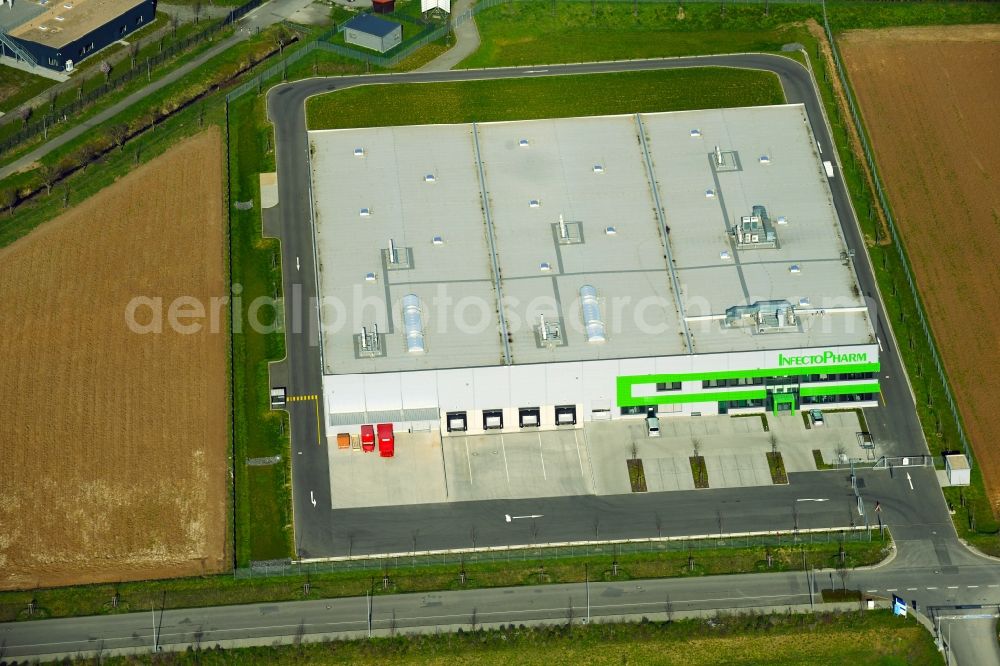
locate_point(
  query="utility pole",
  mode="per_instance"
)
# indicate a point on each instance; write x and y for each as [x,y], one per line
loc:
[152,610]
[368,600]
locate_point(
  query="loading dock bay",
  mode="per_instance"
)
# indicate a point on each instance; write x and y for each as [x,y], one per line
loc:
[591,460]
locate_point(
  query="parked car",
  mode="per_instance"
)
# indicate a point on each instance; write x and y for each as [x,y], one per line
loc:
[816,416]
[652,426]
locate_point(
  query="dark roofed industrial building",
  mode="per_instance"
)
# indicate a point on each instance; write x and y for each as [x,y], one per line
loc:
[373,33]
[70,30]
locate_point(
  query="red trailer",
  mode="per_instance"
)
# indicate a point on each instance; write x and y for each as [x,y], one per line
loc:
[367,438]
[386,440]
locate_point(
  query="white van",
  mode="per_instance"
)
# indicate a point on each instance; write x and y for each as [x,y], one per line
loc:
[652,426]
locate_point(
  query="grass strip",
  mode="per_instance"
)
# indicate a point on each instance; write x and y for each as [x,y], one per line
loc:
[747,638]
[525,99]
[512,568]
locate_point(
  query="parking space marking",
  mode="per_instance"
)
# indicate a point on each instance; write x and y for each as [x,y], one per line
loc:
[468,459]
[315,400]
[579,457]
[505,468]
[541,457]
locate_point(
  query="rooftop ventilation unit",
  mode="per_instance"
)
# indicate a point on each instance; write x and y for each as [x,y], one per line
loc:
[523,143]
[724,255]
[568,232]
[437,240]
[413,324]
[430,178]
[592,315]
[369,277]
[598,168]
[765,159]
[755,231]
[763,317]
[545,266]
[366,212]
[725,160]
[709,193]
[610,231]
[359,152]
[368,344]
[549,333]
[393,254]
[533,203]
[718,157]
[794,268]
[695,133]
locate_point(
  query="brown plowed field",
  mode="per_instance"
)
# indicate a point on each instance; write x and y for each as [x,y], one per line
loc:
[113,444]
[931,99]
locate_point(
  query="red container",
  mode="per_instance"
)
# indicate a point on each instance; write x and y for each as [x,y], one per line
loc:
[367,438]
[386,440]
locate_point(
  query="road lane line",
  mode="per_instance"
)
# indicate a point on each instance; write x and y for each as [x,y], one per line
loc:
[971,586]
[583,474]
[994,585]
[505,468]
[931,588]
[891,589]
[910,589]
[319,427]
[870,591]
[468,458]
[541,457]
[953,587]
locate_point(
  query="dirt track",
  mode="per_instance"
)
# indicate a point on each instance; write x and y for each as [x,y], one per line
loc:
[930,98]
[114,443]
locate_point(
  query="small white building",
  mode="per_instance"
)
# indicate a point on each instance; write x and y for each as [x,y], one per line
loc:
[956,466]
[373,33]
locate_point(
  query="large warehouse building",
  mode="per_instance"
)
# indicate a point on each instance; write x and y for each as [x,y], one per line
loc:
[60,34]
[539,274]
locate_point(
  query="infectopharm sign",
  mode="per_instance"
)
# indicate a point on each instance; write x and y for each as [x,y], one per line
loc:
[825,358]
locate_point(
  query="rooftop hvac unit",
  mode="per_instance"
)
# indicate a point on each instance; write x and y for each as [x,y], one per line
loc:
[592,315]
[413,324]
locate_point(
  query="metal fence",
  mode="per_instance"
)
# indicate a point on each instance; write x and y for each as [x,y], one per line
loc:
[897,242]
[52,115]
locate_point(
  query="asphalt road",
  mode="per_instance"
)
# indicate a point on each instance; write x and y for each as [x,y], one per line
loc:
[321,531]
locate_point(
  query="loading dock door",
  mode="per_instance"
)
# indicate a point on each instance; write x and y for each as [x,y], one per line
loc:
[565,415]
[530,417]
[456,422]
[492,419]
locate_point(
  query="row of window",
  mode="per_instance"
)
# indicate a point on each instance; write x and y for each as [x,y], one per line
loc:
[527,417]
[821,399]
[805,379]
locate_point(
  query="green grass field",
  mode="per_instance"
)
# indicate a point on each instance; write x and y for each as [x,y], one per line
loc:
[873,637]
[17,87]
[593,94]
[532,32]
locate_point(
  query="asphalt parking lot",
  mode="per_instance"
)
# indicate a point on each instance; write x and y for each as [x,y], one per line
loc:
[550,463]
[414,475]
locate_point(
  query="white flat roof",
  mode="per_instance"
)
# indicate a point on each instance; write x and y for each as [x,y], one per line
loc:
[422,182]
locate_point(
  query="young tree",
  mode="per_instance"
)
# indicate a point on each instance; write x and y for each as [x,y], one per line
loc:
[133,52]
[50,173]
[8,199]
[118,134]
[106,70]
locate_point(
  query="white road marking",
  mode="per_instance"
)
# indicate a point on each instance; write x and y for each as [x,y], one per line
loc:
[505,468]
[870,591]
[994,585]
[297,267]
[953,587]
[812,499]
[468,458]
[931,588]
[312,498]
[541,457]
[891,589]
[909,480]
[509,518]
[910,589]
[535,71]
[579,457]
[971,586]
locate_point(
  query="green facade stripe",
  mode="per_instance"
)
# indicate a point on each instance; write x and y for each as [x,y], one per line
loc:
[839,390]
[678,398]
